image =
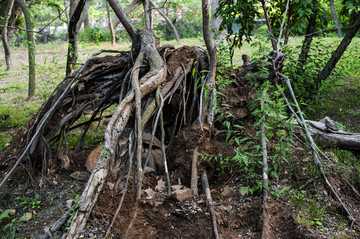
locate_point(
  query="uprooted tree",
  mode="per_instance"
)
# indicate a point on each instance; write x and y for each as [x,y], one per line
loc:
[138,82]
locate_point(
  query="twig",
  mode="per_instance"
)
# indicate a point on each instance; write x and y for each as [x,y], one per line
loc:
[183,94]
[158,92]
[163,148]
[56,226]
[210,203]
[194,173]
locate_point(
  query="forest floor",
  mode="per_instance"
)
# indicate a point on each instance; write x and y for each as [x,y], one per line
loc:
[301,205]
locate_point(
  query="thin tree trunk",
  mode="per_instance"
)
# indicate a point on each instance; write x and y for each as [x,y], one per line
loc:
[353,29]
[335,19]
[288,25]
[84,14]
[305,49]
[31,47]
[111,28]
[212,68]
[4,34]
[67,12]
[73,32]
[14,16]
[132,31]
[147,15]
[166,19]
[272,37]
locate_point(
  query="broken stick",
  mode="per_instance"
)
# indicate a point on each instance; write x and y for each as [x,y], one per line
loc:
[209,202]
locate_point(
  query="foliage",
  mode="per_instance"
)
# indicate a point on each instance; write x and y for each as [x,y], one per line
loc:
[238,18]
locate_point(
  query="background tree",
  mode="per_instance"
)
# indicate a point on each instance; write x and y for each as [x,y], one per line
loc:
[335,18]
[31,47]
[4,34]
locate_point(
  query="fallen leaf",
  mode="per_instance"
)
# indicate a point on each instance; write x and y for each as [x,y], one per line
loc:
[150,193]
[160,187]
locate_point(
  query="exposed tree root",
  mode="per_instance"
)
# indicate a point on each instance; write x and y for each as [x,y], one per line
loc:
[194,174]
[105,81]
[210,203]
[266,223]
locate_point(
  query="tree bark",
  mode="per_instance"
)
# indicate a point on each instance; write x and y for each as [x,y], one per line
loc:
[4,34]
[147,15]
[305,49]
[73,33]
[31,47]
[166,19]
[335,19]
[288,25]
[334,139]
[111,28]
[212,67]
[353,29]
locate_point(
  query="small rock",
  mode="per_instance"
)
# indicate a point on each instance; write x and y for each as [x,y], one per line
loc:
[148,170]
[182,194]
[80,175]
[69,203]
[228,191]
[64,159]
[93,159]
[160,187]
[110,185]
[176,187]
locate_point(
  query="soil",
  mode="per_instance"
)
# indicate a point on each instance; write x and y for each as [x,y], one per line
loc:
[157,215]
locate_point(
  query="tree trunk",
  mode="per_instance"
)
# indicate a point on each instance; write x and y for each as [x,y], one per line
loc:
[288,25]
[83,16]
[272,37]
[111,28]
[67,12]
[212,68]
[353,29]
[335,19]
[31,47]
[73,33]
[166,19]
[147,15]
[132,31]
[14,16]
[4,34]
[305,49]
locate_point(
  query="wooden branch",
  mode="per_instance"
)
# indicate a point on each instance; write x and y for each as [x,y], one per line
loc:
[73,32]
[266,225]
[210,203]
[167,20]
[266,14]
[129,27]
[194,174]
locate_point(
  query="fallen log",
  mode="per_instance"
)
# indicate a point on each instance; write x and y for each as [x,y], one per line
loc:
[331,137]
